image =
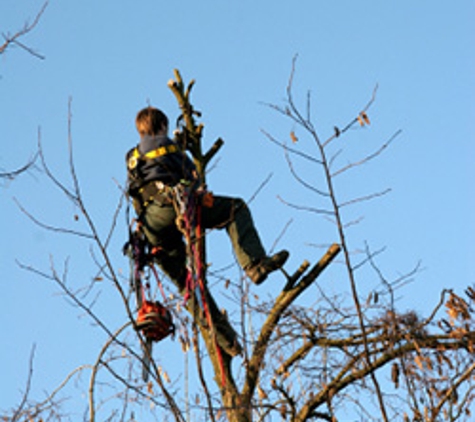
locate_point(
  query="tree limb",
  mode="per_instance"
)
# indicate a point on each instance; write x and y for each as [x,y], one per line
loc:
[283,301]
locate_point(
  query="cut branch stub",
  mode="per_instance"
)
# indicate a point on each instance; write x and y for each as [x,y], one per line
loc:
[191,135]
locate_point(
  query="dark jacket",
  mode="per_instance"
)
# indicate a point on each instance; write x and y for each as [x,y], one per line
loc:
[168,164]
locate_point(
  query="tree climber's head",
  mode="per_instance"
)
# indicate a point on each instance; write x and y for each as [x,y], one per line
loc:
[151,121]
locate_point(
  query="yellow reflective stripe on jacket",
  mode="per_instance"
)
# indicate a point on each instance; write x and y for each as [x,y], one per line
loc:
[166,149]
[160,151]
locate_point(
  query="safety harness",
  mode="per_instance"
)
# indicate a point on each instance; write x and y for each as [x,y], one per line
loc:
[160,151]
[144,194]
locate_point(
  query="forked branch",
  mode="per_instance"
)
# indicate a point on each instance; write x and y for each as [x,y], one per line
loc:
[15,38]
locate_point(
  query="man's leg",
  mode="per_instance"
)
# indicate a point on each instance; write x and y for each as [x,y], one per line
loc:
[234,215]
[160,229]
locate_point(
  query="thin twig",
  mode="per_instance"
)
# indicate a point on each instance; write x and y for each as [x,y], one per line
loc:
[365,198]
[18,412]
[14,39]
[283,145]
[49,227]
[306,208]
[367,158]
[14,173]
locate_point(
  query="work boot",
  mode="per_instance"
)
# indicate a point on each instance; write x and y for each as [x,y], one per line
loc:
[259,271]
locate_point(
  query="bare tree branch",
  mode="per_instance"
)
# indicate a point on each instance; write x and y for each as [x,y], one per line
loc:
[23,402]
[10,175]
[15,38]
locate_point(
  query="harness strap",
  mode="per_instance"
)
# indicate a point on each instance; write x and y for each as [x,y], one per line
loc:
[157,191]
[155,153]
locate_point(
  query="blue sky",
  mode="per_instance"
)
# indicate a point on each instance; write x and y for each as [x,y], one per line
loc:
[112,58]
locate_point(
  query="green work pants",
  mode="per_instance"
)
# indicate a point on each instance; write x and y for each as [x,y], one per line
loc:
[159,223]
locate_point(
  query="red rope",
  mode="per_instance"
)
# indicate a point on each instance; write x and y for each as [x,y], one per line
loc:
[203,297]
[197,266]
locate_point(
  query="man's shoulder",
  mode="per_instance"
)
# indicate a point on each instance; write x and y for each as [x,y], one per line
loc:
[130,152]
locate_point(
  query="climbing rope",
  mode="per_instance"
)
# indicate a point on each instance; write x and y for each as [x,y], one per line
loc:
[188,206]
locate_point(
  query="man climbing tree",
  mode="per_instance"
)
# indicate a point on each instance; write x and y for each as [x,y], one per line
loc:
[310,352]
[155,168]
